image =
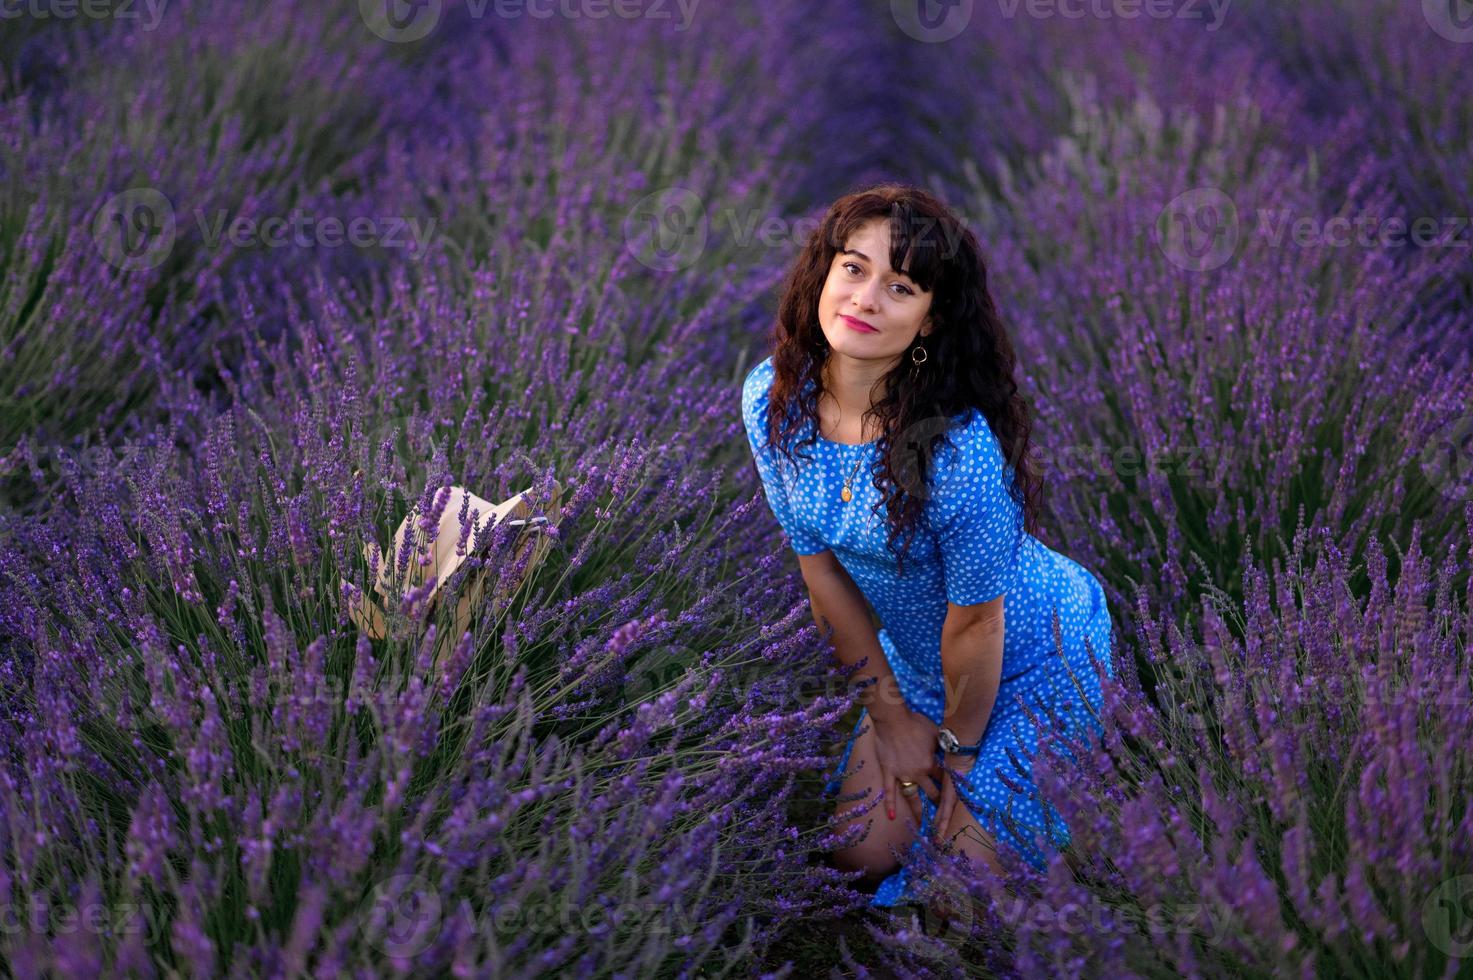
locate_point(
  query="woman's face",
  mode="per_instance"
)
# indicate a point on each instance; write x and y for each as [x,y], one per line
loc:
[862,286]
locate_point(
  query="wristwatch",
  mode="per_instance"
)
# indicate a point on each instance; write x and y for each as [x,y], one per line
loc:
[947,739]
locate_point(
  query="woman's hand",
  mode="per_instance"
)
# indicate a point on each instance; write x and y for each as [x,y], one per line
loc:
[905,746]
[962,764]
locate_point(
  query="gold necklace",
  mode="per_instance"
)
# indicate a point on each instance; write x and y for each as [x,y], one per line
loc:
[845,494]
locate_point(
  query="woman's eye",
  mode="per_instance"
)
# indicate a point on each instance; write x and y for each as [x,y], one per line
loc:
[908,290]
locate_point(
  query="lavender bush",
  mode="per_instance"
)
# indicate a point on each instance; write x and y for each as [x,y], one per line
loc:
[1298,809]
[1390,73]
[1223,841]
[1019,70]
[261,783]
[1179,427]
[217,750]
[122,185]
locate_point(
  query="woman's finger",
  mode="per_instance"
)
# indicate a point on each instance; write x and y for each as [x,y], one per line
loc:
[914,800]
[932,783]
[892,791]
[943,809]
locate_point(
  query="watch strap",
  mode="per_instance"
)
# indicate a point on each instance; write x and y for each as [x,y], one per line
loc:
[960,748]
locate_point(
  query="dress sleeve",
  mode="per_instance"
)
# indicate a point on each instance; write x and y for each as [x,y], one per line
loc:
[977,523]
[754,418]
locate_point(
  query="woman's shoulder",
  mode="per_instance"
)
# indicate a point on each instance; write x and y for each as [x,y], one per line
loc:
[758,379]
[970,443]
[969,463]
[971,475]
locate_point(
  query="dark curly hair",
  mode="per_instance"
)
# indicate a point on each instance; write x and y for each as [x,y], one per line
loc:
[969,358]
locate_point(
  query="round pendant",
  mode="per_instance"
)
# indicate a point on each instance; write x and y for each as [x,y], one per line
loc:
[845,495]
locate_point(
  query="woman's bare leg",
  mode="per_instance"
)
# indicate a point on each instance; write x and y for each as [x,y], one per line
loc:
[872,853]
[969,837]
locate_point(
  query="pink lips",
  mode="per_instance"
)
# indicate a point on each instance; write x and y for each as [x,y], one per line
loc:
[858,325]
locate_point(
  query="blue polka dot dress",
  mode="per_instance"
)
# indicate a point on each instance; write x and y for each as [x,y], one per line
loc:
[970,547]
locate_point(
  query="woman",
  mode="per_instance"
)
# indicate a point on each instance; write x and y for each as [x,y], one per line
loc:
[891,357]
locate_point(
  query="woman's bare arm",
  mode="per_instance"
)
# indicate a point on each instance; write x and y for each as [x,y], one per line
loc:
[838,603]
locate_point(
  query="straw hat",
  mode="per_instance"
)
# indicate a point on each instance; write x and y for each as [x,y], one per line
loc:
[444,562]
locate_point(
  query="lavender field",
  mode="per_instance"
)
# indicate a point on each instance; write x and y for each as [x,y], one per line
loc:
[274,276]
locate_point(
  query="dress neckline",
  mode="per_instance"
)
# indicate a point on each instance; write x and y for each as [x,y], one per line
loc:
[847,445]
[834,442]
